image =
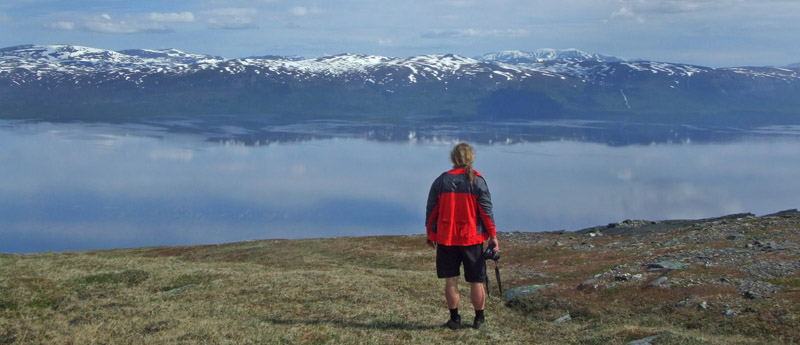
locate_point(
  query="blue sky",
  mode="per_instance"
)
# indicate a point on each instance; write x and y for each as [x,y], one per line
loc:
[715,33]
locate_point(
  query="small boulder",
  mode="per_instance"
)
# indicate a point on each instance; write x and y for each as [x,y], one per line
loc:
[564,319]
[525,290]
[735,237]
[685,302]
[588,285]
[752,295]
[623,277]
[667,265]
[645,341]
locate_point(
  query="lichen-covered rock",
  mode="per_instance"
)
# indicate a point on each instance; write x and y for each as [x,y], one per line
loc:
[523,291]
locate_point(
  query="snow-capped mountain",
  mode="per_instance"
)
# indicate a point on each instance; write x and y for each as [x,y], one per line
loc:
[543,55]
[70,81]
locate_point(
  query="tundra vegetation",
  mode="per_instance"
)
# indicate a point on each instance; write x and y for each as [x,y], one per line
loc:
[732,280]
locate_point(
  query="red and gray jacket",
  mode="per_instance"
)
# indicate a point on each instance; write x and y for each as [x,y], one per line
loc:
[459,213]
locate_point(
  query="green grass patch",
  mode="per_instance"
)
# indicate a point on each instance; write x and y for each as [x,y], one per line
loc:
[128,278]
[5,302]
[188,279]
[790,282]
[46,299]
[532,304]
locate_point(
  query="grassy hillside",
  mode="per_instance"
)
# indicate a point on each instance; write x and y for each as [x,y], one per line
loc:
[739,283]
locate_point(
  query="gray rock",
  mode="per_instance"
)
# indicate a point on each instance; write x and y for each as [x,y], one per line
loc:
[623,277]
[668,265]
[685,302]
[752,295]
[703,305]
[591,284]
[729,313]
[735,237]
[645,341]
[660,282]
[563,319]
[583,246]
[540,275]
[525,290]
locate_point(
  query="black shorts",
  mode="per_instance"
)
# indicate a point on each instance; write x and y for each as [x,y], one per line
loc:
[449,259]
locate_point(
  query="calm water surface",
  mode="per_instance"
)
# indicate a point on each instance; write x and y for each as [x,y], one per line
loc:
[89,186]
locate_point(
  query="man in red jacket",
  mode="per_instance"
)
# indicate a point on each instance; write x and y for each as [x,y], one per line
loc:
[458,220]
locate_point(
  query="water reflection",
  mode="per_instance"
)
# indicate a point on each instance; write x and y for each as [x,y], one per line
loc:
[82,186]
[260,132]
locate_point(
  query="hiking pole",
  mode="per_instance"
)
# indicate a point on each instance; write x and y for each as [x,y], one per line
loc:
[486,285]
[499,282]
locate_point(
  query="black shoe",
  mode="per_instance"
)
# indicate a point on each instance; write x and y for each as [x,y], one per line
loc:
[453,323]
[478,323]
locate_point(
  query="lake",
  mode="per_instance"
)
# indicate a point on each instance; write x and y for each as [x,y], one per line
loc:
[78,186]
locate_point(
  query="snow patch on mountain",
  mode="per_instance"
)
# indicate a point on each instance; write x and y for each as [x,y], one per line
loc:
[66,63]
[543,55]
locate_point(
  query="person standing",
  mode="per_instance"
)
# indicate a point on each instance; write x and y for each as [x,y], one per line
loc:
[458,220]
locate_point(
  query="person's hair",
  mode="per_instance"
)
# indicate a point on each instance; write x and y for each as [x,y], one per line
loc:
[463,156]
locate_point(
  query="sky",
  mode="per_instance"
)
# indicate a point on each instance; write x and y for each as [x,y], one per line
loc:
[714,33]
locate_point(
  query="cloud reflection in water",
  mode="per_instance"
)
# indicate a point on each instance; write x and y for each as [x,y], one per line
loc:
[73,186]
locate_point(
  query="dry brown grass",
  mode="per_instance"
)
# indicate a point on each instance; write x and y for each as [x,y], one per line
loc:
[372,290]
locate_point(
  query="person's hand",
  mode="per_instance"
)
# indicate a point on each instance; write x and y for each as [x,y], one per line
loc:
[493,242]
[431,244]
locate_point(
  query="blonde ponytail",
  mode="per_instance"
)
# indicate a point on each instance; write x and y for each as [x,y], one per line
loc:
[463,156]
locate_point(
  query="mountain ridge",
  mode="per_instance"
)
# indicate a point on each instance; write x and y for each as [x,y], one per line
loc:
[558,84]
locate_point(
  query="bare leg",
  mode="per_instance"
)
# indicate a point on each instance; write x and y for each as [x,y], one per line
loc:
[478,295]
[451,292]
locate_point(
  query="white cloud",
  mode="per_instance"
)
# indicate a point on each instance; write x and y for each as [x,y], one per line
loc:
[172,154]
[174,17]
[302,10]
[237,23]
[234,11]
[105,23]
[640,9]
[299,11]
[475,33]
[459,3]
[625,12]
[62,25]
[232,18]
[123,24]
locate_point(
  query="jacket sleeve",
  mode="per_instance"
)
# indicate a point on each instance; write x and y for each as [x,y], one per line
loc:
[485,208]
[432,208]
